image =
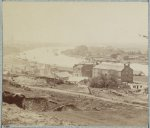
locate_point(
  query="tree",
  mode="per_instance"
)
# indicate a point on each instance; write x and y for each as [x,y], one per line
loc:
[104,81]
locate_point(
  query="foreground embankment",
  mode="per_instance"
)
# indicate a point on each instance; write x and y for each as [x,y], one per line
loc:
[56,107]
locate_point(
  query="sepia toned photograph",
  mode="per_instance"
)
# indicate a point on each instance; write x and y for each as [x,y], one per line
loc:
[75,63]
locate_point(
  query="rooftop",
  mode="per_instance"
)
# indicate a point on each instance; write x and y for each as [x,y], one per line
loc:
[110,66]
[80,65]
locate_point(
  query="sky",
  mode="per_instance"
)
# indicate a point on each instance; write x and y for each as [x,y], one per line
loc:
[116,24]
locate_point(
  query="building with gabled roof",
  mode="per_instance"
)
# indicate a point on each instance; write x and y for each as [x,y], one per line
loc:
[107,68]
[127,74]
[83,70]
[123,72]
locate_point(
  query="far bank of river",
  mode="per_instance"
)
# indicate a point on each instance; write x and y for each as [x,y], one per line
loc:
[53,56]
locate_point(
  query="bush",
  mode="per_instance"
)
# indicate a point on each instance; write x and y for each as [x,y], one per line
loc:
[104,81]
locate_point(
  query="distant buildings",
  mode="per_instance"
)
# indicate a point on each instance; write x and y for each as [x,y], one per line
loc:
[43,70]
[136,58]
[30,68]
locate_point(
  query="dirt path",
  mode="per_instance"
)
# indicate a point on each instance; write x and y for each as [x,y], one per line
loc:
[77,94]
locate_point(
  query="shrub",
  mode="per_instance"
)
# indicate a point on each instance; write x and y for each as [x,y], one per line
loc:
[104,81]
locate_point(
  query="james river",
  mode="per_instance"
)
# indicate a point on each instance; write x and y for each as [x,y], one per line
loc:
[53,56]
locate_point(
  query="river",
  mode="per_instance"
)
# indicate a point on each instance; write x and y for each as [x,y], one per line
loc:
[53,56]
[50,55]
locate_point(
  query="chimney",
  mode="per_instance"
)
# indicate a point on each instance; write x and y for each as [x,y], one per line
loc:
[97,63]
[128,64]
[124,65]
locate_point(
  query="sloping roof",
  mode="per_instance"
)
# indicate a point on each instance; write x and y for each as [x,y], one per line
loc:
[78,66]
[110,66]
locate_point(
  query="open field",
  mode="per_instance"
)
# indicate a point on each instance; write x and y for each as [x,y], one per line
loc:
[17,116]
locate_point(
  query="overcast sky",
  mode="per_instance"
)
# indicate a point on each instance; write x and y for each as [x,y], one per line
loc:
[74,23]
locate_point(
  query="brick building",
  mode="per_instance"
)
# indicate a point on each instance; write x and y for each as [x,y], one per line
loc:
[83,70]
[107,68]
[125,73]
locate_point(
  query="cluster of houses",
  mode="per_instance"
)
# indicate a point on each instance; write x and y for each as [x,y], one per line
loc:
[38,70]
[122,57]
[90,70]
[123,72]
[80,72]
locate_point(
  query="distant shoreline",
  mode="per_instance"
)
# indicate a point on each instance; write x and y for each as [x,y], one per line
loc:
[47,56]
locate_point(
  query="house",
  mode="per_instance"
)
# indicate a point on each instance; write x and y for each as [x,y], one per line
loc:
[63,75]
[107,68]
[137,86]
[37,69]
[64,69]
[125,73]
[77,70]
[43,70]
[30,68]
[83,70]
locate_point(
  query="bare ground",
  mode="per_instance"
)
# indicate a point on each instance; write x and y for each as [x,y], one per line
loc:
[92,110]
